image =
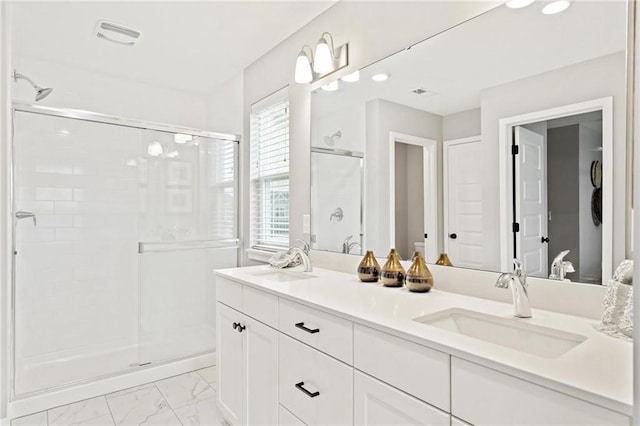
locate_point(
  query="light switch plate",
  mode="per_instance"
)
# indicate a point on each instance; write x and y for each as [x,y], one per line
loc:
[306,224]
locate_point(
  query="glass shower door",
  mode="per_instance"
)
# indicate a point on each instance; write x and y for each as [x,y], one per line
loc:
[188,212]
[75,238]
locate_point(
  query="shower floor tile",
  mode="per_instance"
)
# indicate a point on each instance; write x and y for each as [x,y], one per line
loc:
[188,399]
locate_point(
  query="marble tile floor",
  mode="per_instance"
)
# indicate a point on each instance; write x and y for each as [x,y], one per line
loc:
[188,399]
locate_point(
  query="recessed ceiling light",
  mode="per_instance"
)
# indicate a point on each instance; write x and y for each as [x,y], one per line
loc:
[181,138]
[380,77]
[330,87]
[353,77]
[556,7]
[518,4]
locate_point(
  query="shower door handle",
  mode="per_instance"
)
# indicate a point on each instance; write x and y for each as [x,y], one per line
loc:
[25,215]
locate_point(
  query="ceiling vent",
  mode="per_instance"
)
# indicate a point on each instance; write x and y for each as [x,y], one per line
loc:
[424,92]
[116,33]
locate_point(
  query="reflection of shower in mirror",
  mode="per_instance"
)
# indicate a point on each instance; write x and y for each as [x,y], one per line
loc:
[331,140]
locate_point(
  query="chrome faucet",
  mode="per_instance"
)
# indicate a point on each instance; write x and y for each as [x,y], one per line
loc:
[560,268]
[518,280]
[347,246]
[301,254]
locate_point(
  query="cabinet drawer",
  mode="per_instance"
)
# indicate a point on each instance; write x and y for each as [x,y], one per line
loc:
[229,292]
[313,386]
[377,403]
[326,332]
[482,396]
[288,419]
[415,369]
[260,305]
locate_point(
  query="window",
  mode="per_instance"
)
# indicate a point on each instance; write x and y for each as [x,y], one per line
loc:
[270,172]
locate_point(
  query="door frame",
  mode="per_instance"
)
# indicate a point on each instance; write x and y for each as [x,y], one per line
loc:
[445,181]
[430,186]
[505,140]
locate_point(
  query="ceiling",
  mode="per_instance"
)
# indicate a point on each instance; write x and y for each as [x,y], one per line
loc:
[192,46]
[498,47]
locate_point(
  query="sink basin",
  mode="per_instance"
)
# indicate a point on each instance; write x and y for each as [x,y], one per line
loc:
[509,332]
[282,275]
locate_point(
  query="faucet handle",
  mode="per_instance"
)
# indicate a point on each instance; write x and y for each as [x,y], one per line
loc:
[568,266]
[303,245]
[518,270]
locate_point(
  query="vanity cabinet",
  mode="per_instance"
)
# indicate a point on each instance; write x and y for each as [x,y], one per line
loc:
[482,396]
[283,362]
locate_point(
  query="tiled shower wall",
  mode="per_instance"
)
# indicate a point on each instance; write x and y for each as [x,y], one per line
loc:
[77,270]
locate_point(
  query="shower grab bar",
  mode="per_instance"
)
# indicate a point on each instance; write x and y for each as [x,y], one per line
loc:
[145,247]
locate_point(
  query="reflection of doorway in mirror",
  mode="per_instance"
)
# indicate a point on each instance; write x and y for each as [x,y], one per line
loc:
[462,189]
[556,204]
[413,196]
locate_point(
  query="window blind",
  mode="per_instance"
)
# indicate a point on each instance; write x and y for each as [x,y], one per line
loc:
[270,174]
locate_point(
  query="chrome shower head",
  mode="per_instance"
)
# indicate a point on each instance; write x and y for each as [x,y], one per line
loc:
[41,92]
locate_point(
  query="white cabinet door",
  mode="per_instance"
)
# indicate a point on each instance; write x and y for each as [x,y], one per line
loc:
[231,370]
[261,372]
[464,235]
[379,404]
[482,396]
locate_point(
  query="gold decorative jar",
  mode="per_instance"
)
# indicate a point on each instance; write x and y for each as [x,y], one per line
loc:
[392,274]
[443,260]
[419,278]
[369,268]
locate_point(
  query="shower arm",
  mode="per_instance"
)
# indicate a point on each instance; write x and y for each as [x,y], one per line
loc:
[17,75]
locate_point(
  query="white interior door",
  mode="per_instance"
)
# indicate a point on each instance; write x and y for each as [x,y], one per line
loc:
[463,238]
[531,201]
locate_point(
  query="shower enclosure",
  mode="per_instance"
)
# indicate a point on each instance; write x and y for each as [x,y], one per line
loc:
[118,225]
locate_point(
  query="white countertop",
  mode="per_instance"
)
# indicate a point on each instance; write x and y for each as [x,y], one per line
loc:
[599,370]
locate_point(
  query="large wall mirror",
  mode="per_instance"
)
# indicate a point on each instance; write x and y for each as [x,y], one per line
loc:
[503,137]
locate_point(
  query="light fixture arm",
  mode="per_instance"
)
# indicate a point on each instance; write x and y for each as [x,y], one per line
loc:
[333,52]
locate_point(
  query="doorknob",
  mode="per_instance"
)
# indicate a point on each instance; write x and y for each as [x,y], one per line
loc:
[453,236]
[544,240]
[24,215]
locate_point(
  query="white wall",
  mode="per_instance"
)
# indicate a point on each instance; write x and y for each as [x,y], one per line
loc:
[463,124]
[373,30]
[5,227]
[350,121]
[384,117]
[86,90]
[598,78]
[224,107]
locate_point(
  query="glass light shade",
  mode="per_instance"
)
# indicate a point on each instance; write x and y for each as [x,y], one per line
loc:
[330,87]
[556,7]
[323,58]
[303,72]
[351,78]
[518,4]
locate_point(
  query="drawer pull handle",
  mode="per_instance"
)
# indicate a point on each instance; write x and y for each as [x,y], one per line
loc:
[301,326]
[239,327]
[306,392]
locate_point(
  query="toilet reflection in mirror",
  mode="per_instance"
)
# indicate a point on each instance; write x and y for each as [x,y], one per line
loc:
[473,100]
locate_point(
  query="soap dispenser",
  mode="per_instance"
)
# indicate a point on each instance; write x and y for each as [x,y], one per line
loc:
[369,268]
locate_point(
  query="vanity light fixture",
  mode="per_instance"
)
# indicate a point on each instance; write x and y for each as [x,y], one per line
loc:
[351,78]
[380,77]
[330,87]
[518,4]
[556,7]
[312,66]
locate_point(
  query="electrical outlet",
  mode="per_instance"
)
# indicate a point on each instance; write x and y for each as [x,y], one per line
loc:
[306,224]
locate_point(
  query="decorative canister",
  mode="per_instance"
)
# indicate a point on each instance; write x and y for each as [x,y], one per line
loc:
[419,276]
[392,274]
[369,268]
[443,260]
